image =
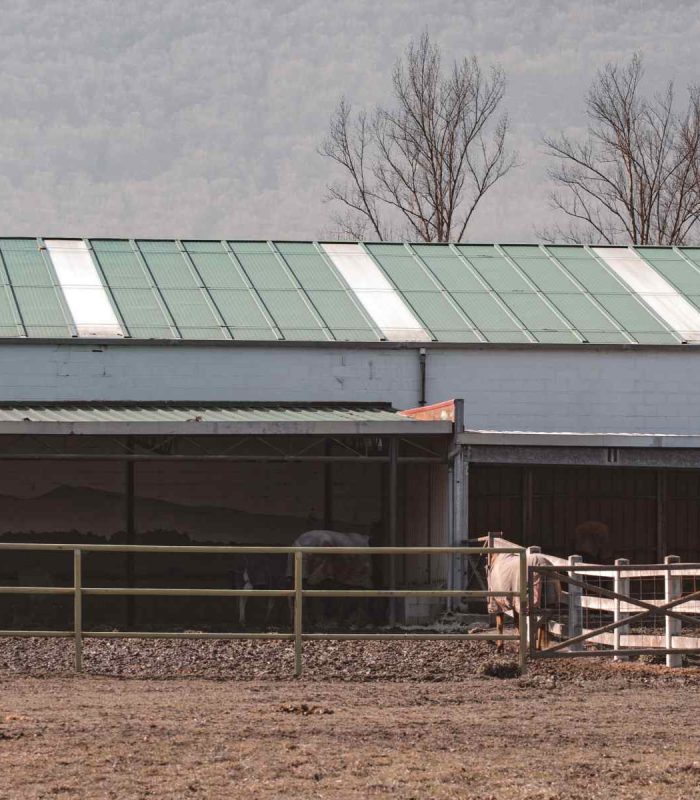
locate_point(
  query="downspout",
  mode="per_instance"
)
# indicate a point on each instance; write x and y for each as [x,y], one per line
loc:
[422,358]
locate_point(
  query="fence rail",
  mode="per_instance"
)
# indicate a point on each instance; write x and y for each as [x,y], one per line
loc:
[678,601]
[297,594]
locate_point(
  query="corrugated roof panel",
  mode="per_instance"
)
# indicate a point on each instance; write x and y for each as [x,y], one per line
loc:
[490,317]
[441,317]
[263,268]
[678,271]
[192,314]
[587,270]
[9,321]
[142,314]
[423,291]
[242,314]
[634,318]
[93,417]
[373,289]
[216,267]
[404,270]
[167,265]
[180,288]
[540,269]
[448,268]
[495,269]
[139,305]
[588,319]
[39,301]
[326,290]
[292,315]
[538,318]
[657,293]
[296,290]
[612,295]
[83,289]
[291,312]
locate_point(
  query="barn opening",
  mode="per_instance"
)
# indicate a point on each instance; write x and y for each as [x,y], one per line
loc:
[177,474]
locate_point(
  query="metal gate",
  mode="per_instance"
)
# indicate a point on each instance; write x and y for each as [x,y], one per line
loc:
[616,610]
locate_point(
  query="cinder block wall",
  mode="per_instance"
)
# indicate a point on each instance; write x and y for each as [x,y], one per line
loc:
[576,389]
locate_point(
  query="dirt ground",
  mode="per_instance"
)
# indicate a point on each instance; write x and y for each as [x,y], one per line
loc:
[370,719]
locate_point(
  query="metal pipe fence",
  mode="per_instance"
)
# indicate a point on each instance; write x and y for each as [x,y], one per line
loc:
[296,594]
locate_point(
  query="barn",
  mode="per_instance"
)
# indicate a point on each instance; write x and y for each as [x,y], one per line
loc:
[245,391]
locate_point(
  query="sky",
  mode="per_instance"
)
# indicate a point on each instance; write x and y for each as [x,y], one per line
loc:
[202,118]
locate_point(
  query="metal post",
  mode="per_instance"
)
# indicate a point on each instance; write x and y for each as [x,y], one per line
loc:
[393,519]
[531,616]
[575,609]
[672,586]
[524,615]
[621,586]
[459,531]
[78,610]
[130,530]
[660,515]
[298,597]
[328,488]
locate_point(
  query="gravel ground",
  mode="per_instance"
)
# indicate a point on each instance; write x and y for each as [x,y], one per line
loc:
[359,661]
[166,719]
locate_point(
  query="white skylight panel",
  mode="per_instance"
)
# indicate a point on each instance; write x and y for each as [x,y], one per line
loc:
[82,288]
[654,289]
[379,298]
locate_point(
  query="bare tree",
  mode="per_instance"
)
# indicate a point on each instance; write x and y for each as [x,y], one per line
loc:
[635,177]
[420,166]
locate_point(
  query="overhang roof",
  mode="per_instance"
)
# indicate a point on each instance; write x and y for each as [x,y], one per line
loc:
[286,291]
[195,419]
[573,439]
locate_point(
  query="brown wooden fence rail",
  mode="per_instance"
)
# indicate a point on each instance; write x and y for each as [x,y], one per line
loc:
[298,593]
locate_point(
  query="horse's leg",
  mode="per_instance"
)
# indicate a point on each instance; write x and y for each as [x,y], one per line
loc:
[241,611]
[499,630]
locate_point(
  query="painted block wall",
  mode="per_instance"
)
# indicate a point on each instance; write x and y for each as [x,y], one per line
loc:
[583,390]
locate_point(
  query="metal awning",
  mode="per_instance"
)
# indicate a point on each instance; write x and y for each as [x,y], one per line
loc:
[572,439]
[190,419]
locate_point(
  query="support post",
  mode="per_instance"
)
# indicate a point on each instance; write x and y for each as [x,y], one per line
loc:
[298,609]
[527,504]
[524,612]
[328,488]
[531,615]
[393,519]
[78,609]
[660,514]
[672,587]
[621,586]
[130,530]
[575,626]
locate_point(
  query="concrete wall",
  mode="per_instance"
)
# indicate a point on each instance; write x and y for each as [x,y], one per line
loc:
[581,389]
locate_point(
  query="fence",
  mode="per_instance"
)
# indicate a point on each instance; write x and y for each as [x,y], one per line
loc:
[297,593]
[618,607]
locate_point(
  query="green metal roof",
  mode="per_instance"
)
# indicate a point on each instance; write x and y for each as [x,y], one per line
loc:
[209,419]
[298,291]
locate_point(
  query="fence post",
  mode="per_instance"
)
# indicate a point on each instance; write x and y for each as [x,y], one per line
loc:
[524,613]
[78,609]
[298,584]
[531,620]
[672,587]
[621,586]
[575,609]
